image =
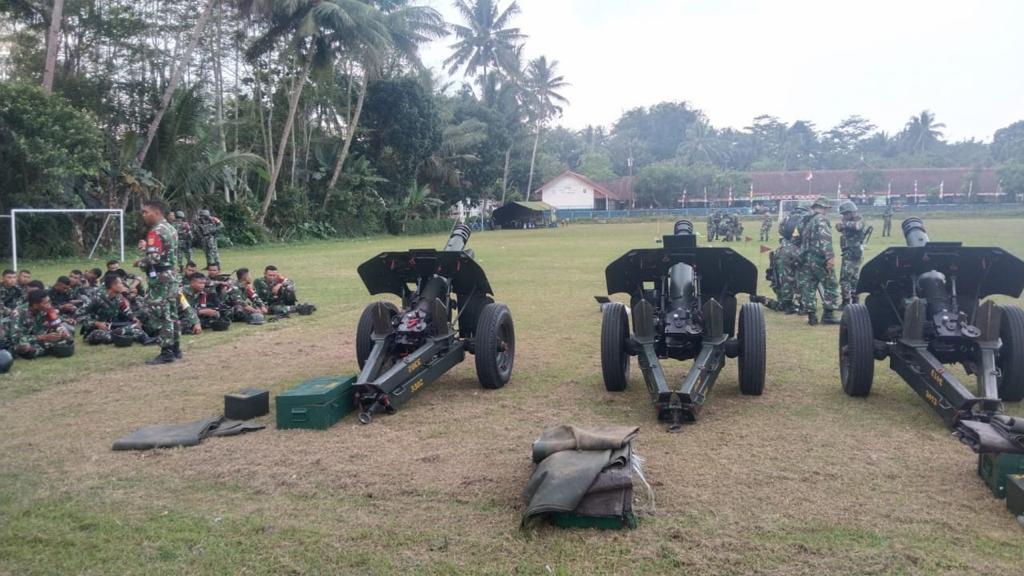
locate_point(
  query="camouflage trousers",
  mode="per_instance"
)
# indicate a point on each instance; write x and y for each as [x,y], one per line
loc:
[162,304]
[849,273]
[36,348]
[184,257]
[886,226]
[789,265]
[765,230]
[811,276]
[210,249]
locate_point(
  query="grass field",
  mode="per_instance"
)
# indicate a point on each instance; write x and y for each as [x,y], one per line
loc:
[802,480]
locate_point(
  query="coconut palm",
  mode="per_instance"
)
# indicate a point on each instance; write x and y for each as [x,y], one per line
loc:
[408,27]
[318,30]
[703,144]
[542,85]
[484,41]
[922,131]
[418,202]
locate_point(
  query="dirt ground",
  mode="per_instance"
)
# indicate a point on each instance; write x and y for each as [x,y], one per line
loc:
[802,480]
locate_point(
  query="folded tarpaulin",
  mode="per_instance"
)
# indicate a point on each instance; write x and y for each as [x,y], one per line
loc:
[187,434]
[569,462]
[999,434]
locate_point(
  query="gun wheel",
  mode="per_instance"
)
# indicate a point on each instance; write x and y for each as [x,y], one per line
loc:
[614,350]
[856,351]
[494,346]
[753,349]
[364,330]
[1011,354]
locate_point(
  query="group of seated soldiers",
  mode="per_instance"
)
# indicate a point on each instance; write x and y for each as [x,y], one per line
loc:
[110,307]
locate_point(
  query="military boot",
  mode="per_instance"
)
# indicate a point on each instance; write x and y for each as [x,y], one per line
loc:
[829,317]
[812,319]
[177,350]
[166,357]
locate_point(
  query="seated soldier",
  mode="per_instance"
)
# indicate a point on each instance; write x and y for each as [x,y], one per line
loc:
[110,313]
[24,278]
[190,269]
[187,316]
[278,293]
[245,305]
[36,328]
[10,293]
[206,303]
[62,297]
[92,278]
[132,282]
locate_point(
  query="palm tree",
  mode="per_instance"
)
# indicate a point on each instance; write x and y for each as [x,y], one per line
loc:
[485,41]
[921,132]
[542,85]
[703,144]
[417,201]
[318,30]
[408,27]
[176,74]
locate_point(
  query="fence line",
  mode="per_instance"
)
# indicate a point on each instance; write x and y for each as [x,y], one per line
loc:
[582,214]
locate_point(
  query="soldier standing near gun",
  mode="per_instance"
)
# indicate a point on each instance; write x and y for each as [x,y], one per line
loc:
[766,226]
[818,265]
[209,228]
[789,260]
[161,266]
[887,220]
[712,227]
[851,242]
[184,228]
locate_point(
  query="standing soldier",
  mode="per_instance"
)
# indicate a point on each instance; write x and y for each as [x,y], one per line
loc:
[887,220]
[851,242]
[711,227]
[766,226]
[818,265]
[789,260]
[209,227]
[160,263]
[184,229]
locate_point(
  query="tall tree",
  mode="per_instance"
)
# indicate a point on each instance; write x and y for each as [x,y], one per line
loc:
[408,27]
[179,70]
[543,83]
[52,45]
[922,131]
[319,30]
[485,40]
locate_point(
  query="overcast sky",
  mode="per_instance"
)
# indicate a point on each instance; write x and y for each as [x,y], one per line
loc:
[816,60]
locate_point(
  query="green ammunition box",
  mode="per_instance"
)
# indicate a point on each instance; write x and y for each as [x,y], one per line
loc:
[1015,495]
[315,404]
[995,468]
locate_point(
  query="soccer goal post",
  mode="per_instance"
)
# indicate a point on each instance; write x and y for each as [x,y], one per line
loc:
[108,211]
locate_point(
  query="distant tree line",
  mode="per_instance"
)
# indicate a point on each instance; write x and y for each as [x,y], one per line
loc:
[316,118]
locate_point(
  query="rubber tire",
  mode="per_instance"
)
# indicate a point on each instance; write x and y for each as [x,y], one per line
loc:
[753,349]
[491,372]
[614,354]
[1011,354]
[857,372]
[364,331]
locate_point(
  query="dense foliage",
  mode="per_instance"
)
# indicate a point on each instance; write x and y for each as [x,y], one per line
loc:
[315,118]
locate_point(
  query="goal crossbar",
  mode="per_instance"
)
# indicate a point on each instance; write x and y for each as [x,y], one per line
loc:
[14,223]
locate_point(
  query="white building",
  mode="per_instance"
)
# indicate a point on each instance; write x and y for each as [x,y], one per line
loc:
[570,190]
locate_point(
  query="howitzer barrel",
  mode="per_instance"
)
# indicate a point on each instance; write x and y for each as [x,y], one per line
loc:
[459,238]
[914,232]
[683,228]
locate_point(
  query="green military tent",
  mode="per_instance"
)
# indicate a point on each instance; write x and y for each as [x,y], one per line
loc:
[524,215]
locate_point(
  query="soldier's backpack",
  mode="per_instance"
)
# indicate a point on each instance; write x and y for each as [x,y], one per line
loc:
[791,223]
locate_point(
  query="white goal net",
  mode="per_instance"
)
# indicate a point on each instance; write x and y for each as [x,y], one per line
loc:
[107,213]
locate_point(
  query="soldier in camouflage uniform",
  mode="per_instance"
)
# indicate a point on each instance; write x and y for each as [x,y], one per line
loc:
[208,228]
[184,228]
[851,243]
[712,227]
[10,292]
[204,303]
[161,266]
[36,327]
[108,313]
[817,265]
[887,220]
[766,226]
[244,303]
[789,260]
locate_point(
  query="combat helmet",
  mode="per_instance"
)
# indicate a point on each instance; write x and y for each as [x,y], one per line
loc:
[65,349]
[256,319]
[6,361]
[122,339]
[220,324]
[822,202]
[847,206]
[179,214]
[204,213]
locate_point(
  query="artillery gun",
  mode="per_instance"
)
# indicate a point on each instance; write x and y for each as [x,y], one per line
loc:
[924,311]
[683,307]
[447,310]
